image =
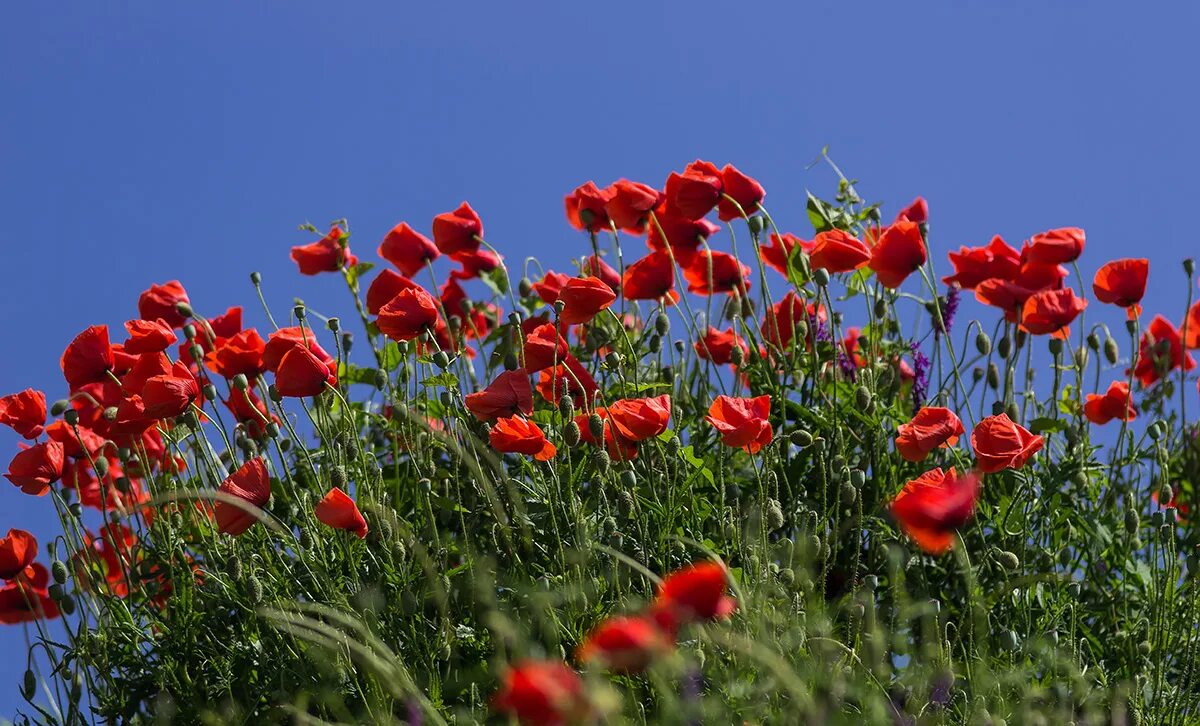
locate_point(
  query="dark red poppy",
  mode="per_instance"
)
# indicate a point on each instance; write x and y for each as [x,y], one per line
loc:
[25,602]
[777,254]
[743,423]
[17,552]
[710,273]
[684,235]
[931,428]
[1160,352]
[385,287]
[899,252]
[148,336]
[836,251]
[630,204]
[509,394]
[88,358]
[917,211]
[650,278]
[1122,283]
[624,644]
[301,374]
[407,249]
[160,301]
[1049,312]
[597,267]
[935,505]
[34,469]
[569,379]
[1115,403]
[252,485]
[409,314]
[544,347]
[972,265]
[693,594]
[328,254]
[24,412]
[638,419]
[339,511]
[586,207]
[1001,444]
[517,435]
[742,191]
[583,298]
[717,346]
[169,395]
[542,693]
[695,192]
[473,264]
[1056,246]
[458,231]
[243,353]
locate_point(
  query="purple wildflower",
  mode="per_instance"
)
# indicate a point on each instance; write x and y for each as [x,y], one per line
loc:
[950,308]
[920,376]
[846,363]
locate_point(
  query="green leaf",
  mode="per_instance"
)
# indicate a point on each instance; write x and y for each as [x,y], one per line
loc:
[689,455]
[496,280]
[390,357]
[1044,424]
[818,214]
[361,269]
[445,379]
[350,373]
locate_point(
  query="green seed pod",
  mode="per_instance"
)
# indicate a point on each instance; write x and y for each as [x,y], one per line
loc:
[571,434]
[596,426]
[862,396]
[255,589]
[1008,560]
[1155,430]
[76,509]
[183,309]
[858,478]
[628,479]
[871,583]
[983,343]
[59,407]
[801,438]
[240,382]
[348,341]
[613,360]
[848,493]
[1111,352]
[1009,640]
[755,223]
[821,276]
[441,360]
[1055,345]
[380,379]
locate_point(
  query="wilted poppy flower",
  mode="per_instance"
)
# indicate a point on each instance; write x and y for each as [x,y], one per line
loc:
[385,287]
[710,273]
[972,265]
[630,204]
[243,353]
[328,254]
[407,249]
[693,594]
[695,192]
[516,435]
[409,314]
[624,644]
[509,394]
[1113,403]
[36,468]
[717,346]
[542,693]
[596,267]
[17,552]
[1160,352]
[24,412]
[583,298]
[543,348]
[251,484]
[638,419]
[169,395]
[474,263]
[586,207]
[931,428]
[339,511]
[917,211]
[1056,246]
[1051,311]
[778,253]
[899,252]
[458,231]
[301,373]
[836,251]
[742,422]
[935,505]
[1122,283]
[1000,444]
[650,278]
[88,358]
[683,235]
[160,301]
[739,188]
[148,336]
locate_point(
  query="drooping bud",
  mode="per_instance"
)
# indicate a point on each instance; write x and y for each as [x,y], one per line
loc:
[983,343]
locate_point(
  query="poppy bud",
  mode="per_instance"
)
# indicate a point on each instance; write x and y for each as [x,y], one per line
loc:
[1155,430]
[848,493]
[571,434]
[196,353]
[59,570]
[628,479]
[272,430]
[101,467]
[1093,341]
[1056,346]
[755,224]
[1081,358]
[858,478]
[613,360]
[273,393]
[445,399]
[337,476]
[976,374]
[1189,266]
[1111,353]
[821,276]
[235,567]
[1013,413]
[1172,515]
[1008,560]
[1004,348]
[109,413]
[256,278]
[380,379]
[76,509]
[441,360]
[1009,640]
[29,685]
[566,406]
[774,515]
[673,445]
[801,438]
[183,309]
[525,287]
[601,460]
[654,344]
[862,396]
[880,307]
[255,589]
[662,325]
[59,407]
[56,592]
[210,391]
[67,605]
[510,361]
[737,355]
[1022,336]
[680,346]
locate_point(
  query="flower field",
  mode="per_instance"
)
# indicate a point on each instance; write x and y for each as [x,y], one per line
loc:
[836,471]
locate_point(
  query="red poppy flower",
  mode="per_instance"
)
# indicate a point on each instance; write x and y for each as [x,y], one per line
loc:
[516,435]
[746,192]
[935,505]
[638,419]
[899,252]
[1191,327]
[17,552]
[24,412]
[722,269]
[1000,444]
[473,264]
[169,395]
[776,254]
[630,204]
[695,192]
[23,602]
[596,267]
[1113,403]
[75,444]
[458,231]
[624,644]
[131,420]
[617,446]
[586,207]
[569,379]
[543,348]
[1007,296]
[836,251]
[742,422]
[148,336]
[385,287]
[1160,352]
[509,394]
[88,358]
[542,693]
[409,314]
[917,211]
[160,302]
[1122,283]
[250,412]
[301,374]
[583,298]
[693,594]
[243,353]
[453,297]
[328,254]
[33,470]
[650,278]
[1035,276]
[407,249]
[550,286]
[684,235]
[147,366]
[972,265]
[931,428]
[1051,311]
[1056,247]
[717,346]
[251,484]
[779,324]
[339,511]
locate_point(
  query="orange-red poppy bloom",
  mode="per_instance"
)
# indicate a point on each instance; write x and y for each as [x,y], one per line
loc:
[1056,246]
[779,324]
[339,511]
[458,231]
[283,340]
[88,358]
[251,484]
[242,353]
[624,644]
[743,423]
[328,254]
[148,336]
[167,396]
[407,249]
[935,505]
[301,373]
[777,253]
[899,252]
[1051,311]
[583,298]
[917,211]
[1161,351]
[517,435]
[683,235]
[710,273]
[385,287]
[638,419]
[618,446]
[1000,444]
[717,346]
[24,412]
[542,693]
[544,347]
[630,204]
[693,594]
[550,286]
[1191,327]
[695,192]
[509,394]
[650,278]
[473,264]
[17,552]
[972,265]
[1122,283]
[1115,403]
[34,469]
[597,267]
[161,301]
[586,207]
[932,427]
[836,251]
[407,315]
[568,379]
[741,194]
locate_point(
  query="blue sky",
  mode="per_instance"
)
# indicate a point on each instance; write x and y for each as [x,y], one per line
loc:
[141,142]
